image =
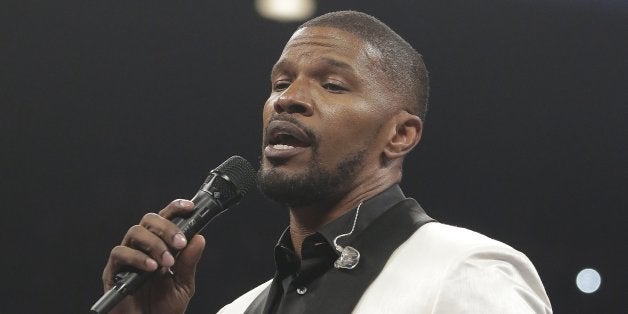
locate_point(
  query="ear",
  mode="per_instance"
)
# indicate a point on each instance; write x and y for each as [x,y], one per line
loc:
[405,133]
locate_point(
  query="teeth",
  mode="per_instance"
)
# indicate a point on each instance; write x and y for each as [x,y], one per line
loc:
[282,147]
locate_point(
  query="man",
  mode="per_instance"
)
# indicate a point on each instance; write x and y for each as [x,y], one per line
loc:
[347,103]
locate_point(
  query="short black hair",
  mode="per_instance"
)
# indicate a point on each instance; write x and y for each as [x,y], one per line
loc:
[401,63]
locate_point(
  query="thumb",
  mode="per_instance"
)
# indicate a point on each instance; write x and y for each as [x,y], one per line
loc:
[185,267]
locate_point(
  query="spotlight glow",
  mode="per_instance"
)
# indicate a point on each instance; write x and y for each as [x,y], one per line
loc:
[588,280]
[286,10]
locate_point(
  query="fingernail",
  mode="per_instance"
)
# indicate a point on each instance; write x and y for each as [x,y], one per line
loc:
[167,259]
[186,204]
[179,241]
[150,264]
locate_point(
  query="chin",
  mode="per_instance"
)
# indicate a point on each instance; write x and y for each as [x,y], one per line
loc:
[307,183]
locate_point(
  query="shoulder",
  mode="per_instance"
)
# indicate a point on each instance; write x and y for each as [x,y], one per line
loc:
[448,269]
[453,237]
[439,246]
[240,304]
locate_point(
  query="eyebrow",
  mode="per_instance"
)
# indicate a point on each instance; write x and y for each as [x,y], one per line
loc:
[337,64]
[334,63]
[278,65]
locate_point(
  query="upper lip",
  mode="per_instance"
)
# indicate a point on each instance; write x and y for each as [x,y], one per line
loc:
[288,133]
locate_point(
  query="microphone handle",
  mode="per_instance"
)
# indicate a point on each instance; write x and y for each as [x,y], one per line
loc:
[127,282]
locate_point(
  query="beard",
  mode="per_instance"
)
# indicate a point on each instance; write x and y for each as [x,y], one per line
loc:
[316,186]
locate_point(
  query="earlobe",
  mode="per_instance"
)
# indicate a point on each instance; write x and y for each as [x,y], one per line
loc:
[405,135]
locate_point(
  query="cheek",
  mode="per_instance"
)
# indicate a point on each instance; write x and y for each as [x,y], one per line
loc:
[350,130]
[351,118]
[267,111]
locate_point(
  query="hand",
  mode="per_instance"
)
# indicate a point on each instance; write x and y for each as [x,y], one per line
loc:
[146,247]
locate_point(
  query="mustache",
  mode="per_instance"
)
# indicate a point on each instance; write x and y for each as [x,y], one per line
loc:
[290,118]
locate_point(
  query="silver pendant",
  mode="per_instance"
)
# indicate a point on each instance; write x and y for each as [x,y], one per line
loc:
[349,258]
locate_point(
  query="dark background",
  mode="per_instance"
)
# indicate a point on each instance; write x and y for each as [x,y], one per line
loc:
[110,109]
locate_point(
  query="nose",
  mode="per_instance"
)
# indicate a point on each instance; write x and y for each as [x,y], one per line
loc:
[295,99]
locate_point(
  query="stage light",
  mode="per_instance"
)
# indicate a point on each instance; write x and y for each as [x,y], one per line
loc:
[588,280]
[286,10]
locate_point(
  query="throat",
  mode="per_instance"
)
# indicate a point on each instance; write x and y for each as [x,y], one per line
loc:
[305,221]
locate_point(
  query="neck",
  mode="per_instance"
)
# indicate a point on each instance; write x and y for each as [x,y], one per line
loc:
[307,220]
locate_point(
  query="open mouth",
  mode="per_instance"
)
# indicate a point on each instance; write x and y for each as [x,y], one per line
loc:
[285,135]
[285,139]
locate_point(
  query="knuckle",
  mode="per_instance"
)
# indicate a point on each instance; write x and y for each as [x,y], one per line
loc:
[157,231]
[134,229]
[147,249]
[148,217]
[156,217]
[133,232]
[116,257]
[114,252]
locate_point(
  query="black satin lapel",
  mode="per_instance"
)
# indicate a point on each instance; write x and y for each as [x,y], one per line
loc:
[340,290]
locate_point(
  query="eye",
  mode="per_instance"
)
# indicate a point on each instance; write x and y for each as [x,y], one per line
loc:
[280,85]
[334,87]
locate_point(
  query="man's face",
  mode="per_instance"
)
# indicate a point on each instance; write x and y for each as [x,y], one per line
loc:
[323,117]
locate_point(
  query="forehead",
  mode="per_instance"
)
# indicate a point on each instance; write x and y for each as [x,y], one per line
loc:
[329,43]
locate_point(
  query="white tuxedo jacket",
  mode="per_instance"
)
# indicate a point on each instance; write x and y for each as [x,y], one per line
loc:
[446,269]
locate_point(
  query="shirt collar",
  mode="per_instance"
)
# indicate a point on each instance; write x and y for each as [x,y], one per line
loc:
[287,261]
[369,211]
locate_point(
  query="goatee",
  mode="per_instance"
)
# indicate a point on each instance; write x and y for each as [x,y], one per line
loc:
[316,186]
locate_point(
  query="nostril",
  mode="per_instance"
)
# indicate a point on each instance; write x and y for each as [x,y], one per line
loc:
[278,107]
[296,108]
[290,107]
[293,102]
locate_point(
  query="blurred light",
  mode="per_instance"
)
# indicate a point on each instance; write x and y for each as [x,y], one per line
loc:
[286,10]
[588,280]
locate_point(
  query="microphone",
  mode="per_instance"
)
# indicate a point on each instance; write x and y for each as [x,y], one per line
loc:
[224,187]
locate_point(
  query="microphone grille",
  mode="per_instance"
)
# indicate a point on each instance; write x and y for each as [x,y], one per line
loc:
[239,171]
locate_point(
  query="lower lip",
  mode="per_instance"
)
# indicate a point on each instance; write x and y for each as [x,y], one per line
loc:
[274,153]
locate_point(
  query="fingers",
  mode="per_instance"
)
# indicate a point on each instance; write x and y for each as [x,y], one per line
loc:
[154,241]
[160,226]
[152,230]
[133,258]
[176,207]
[148,245]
